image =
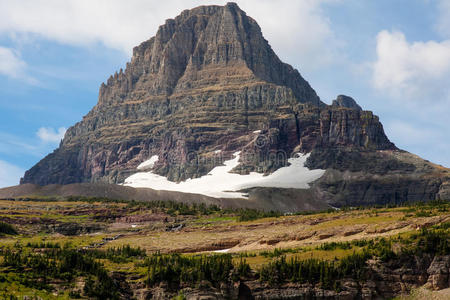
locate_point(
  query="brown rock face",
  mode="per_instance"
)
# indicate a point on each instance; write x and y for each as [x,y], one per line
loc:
[384,280]
[438,271]
[208,47]
[207,77]
[209,81]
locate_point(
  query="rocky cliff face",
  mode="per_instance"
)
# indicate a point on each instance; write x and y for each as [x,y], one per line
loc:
[385,280]
[209,83]
[207,77]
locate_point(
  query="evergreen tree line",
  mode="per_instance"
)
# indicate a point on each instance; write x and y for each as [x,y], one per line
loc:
[6,228]
[176,269]
[314,271]
[328,273]
[118,255]
[180,208]
[38,269]
[247,214]
[43,245]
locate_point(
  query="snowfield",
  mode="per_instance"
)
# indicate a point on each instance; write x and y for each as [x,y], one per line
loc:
[220,183]
[148,164]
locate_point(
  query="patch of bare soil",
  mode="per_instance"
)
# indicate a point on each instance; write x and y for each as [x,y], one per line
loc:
[267,234]
[383,229]
[425,294]
[219,245]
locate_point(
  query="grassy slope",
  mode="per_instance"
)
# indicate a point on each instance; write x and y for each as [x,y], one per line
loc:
[259,240]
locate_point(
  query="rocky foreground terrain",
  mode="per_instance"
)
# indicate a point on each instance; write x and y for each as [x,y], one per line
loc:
[98,248]
[208,85]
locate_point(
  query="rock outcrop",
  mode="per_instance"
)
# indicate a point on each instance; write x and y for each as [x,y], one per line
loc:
[385,280]
[209,83]
[439,273]
[346,101]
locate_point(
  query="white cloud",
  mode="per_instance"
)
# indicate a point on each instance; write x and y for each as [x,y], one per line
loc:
[412,71]
[49,135]
[443,19]
[296,29]
[10,63]
[415,76]
[9,174]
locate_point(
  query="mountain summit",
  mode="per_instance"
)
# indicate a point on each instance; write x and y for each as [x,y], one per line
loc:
[207,96]
[208,47]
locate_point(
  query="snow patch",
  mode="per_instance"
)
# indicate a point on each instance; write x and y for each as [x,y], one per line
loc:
[148,163]
[222,250]
[220,183]
[217,151]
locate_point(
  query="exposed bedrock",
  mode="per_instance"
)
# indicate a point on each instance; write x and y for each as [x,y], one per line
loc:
[209,85]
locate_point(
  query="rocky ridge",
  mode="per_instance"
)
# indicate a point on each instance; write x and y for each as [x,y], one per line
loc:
[209,83]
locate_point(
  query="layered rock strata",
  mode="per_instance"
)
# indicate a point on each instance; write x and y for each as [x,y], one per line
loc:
[208,85]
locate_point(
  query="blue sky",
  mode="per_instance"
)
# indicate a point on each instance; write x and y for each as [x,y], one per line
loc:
[392,56]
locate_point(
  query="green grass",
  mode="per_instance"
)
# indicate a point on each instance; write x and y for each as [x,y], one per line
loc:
[214,220]
[32,240]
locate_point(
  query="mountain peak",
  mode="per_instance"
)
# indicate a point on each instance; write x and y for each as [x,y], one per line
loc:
[207,81]
[346,101]
[204,47]
[207,94]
